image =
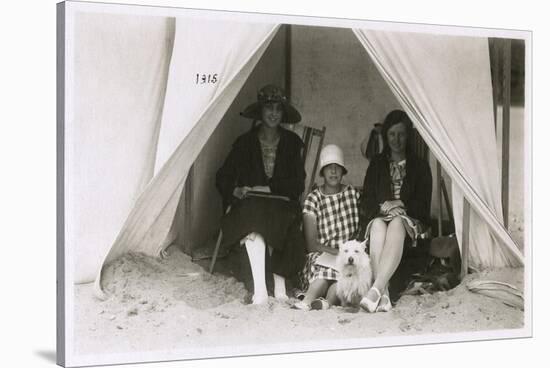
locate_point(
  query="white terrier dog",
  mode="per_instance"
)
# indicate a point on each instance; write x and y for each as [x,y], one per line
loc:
[354,273]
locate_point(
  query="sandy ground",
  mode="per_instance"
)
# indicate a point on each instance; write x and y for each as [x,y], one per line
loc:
[174,303]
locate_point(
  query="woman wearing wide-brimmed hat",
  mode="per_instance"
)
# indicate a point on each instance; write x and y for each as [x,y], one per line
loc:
[267,159]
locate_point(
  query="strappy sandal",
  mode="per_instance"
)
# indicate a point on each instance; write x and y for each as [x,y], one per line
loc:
[301,305]
[384,307]
[370,305]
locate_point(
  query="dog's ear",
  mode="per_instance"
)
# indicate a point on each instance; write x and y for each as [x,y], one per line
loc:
[364,244]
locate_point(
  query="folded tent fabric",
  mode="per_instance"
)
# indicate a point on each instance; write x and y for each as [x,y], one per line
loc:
[449,99]
[120,71]
[507,293]
[147,228]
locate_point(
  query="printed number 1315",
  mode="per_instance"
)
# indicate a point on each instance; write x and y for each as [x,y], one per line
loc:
[206,78]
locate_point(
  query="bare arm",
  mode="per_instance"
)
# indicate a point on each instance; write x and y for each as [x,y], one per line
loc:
[312,239]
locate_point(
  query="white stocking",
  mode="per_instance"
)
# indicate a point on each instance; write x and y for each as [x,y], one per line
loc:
[279,287]
[255,247]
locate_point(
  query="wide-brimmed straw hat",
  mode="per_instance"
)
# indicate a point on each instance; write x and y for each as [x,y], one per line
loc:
[270,94]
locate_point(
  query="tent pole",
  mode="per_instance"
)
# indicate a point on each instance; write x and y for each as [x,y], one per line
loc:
[465,238]
[447,202]
[495,56]
[188,203]
[288,60]
[316,163]
[506,88]
[439,201]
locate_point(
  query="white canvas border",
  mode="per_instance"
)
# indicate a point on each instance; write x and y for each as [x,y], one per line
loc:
[71,359]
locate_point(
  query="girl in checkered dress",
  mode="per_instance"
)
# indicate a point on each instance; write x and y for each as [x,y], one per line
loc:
[331,217]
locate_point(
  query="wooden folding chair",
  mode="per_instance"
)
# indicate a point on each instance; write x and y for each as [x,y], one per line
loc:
[420,148]
[313,143]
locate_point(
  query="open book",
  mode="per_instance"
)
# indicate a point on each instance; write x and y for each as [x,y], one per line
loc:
[254,193]
[327,260]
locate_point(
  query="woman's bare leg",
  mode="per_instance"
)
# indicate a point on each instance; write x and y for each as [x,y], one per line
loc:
[387,261]
[316,289]
[391,254]
[332,298]
[377,238]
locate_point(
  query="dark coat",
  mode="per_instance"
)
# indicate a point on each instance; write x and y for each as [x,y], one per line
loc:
[244,167]
[277,221]
[416,192]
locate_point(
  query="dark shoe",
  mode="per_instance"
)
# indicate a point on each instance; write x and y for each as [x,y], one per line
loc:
[320,304]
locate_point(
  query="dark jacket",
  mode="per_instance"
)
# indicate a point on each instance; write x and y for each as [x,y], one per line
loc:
[244,166]
[416,192]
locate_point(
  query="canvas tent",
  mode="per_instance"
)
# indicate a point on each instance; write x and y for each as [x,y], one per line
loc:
[129,152]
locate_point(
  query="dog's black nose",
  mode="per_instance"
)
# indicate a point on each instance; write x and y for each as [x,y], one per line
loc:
[350,260]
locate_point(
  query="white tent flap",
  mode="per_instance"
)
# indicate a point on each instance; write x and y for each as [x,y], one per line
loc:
[191,113]
[444,84]
[207,55]
[120,67]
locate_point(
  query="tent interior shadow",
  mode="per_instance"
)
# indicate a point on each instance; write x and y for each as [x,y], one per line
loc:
[48,355]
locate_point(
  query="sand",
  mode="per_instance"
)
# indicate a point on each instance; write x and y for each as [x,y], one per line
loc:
[173,303]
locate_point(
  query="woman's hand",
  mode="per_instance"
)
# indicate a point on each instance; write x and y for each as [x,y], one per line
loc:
[397,211]
[240,192]
[387,206]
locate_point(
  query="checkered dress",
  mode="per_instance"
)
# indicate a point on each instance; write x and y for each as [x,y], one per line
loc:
[337,220]
[397,173]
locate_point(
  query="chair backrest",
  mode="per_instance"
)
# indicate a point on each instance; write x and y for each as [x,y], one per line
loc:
[419,147]
[313,143]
